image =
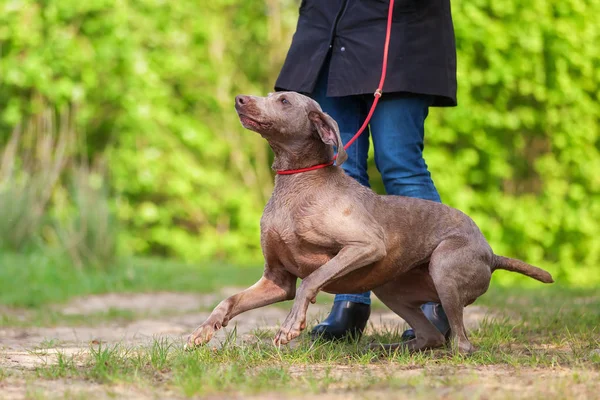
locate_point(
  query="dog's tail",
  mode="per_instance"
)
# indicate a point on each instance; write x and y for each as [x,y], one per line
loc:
[514,265]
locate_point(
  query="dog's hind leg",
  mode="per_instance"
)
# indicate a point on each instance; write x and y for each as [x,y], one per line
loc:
[461,273]
[275,285]
[404,296]
[427,336]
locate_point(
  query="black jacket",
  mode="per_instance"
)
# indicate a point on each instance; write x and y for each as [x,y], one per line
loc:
[422,53]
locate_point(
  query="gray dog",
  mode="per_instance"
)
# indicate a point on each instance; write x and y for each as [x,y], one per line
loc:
[337,236]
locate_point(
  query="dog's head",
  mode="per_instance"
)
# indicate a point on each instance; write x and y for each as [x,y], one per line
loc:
[289,119]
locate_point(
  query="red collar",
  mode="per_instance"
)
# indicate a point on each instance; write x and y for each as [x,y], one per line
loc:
[297,171]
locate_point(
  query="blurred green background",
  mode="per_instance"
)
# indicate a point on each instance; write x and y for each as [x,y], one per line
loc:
[118,136]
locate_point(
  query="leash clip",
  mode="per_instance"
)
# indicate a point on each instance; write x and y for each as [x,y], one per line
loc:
[378,93]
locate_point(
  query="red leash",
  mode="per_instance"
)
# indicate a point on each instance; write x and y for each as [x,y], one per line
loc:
[377,95]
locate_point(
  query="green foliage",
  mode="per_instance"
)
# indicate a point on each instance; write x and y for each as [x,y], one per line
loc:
[153,83]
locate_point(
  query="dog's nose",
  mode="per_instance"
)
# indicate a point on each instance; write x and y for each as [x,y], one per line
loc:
[241,100]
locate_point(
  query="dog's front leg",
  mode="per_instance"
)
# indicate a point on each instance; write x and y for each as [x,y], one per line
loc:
[350,258]
[274,286]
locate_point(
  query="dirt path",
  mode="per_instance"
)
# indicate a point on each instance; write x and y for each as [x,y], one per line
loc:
[165,315]
[170,315]
[554,370]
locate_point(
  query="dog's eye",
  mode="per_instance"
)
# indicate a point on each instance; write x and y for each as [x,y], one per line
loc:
[284,101]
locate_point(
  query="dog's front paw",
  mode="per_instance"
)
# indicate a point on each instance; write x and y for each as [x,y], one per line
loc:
[202,334]
[290,330]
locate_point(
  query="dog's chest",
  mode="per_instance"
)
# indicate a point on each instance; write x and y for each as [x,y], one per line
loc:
[283,243]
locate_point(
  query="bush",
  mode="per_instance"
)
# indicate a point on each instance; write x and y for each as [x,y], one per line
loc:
[152,81]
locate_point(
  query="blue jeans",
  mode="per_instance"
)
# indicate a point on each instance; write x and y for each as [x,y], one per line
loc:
[397,129]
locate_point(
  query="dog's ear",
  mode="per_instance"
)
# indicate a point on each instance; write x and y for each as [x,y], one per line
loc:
[329,133]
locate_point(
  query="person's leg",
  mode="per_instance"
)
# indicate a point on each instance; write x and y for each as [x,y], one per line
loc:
[397,127]
[398,138]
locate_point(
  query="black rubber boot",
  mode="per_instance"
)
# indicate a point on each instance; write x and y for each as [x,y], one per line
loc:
[436,315]
[347,319]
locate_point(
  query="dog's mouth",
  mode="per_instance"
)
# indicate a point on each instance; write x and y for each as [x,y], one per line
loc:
[251,123]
